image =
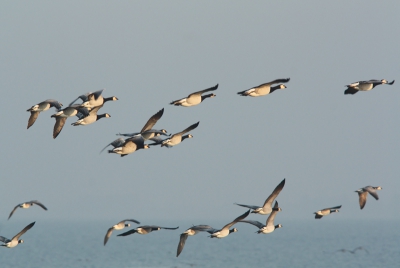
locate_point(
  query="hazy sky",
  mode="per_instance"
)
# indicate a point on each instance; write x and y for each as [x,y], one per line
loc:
[148,53]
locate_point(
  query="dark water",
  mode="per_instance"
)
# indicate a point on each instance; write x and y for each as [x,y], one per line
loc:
[298,244]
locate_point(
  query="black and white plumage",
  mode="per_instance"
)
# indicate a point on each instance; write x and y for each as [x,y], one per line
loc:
[119,226]
[41,107]
[62,115]
[159,140]
[91,117]
[13,242]
[176,138]
[326,211]
[225,231]
[147,132]
[353,88]
[27,205]
[267,207]
[195,98]
[190,232]
[93,99]
[146,229]
[127,146]
[363,193]
[269,226]
[264,89]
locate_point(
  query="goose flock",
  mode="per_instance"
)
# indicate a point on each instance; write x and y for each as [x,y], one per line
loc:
[87,112]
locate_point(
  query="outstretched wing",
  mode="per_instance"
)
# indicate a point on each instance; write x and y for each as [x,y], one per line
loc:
[58,126]
[83,97]
[38,203]
[255,223]
[32,118]
[362,199]
[167,228]
[152,121]
[271,218]
[247,206]
[337,207]
[275,193]
[128,233]
[108,234]
[54,103]
[29,226]
[373,193]
[188,129]
[241,217]
[4,240]
[204,90]
[281,80]
[12,212]
[131,220]
[182,241]
[117,143]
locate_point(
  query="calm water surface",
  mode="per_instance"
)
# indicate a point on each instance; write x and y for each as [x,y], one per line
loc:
[298,244]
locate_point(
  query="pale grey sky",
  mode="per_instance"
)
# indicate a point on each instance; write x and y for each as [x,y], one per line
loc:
[149,53]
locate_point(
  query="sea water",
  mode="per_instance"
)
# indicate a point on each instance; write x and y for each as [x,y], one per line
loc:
[313,243]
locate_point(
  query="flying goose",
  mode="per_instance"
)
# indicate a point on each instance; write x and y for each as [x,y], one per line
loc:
[128,146]
[119,226]
[147,132]
[27,205]
[146,229]
[225,230]
[269,226]
[326,211]
[267,207]
[191,231]
[363,193]
[264,89]
[40,107]
[353,88]
[93,99]
[91,118]
[15,240]
[158,140]
[195,98]
[62,115]
[177,137]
